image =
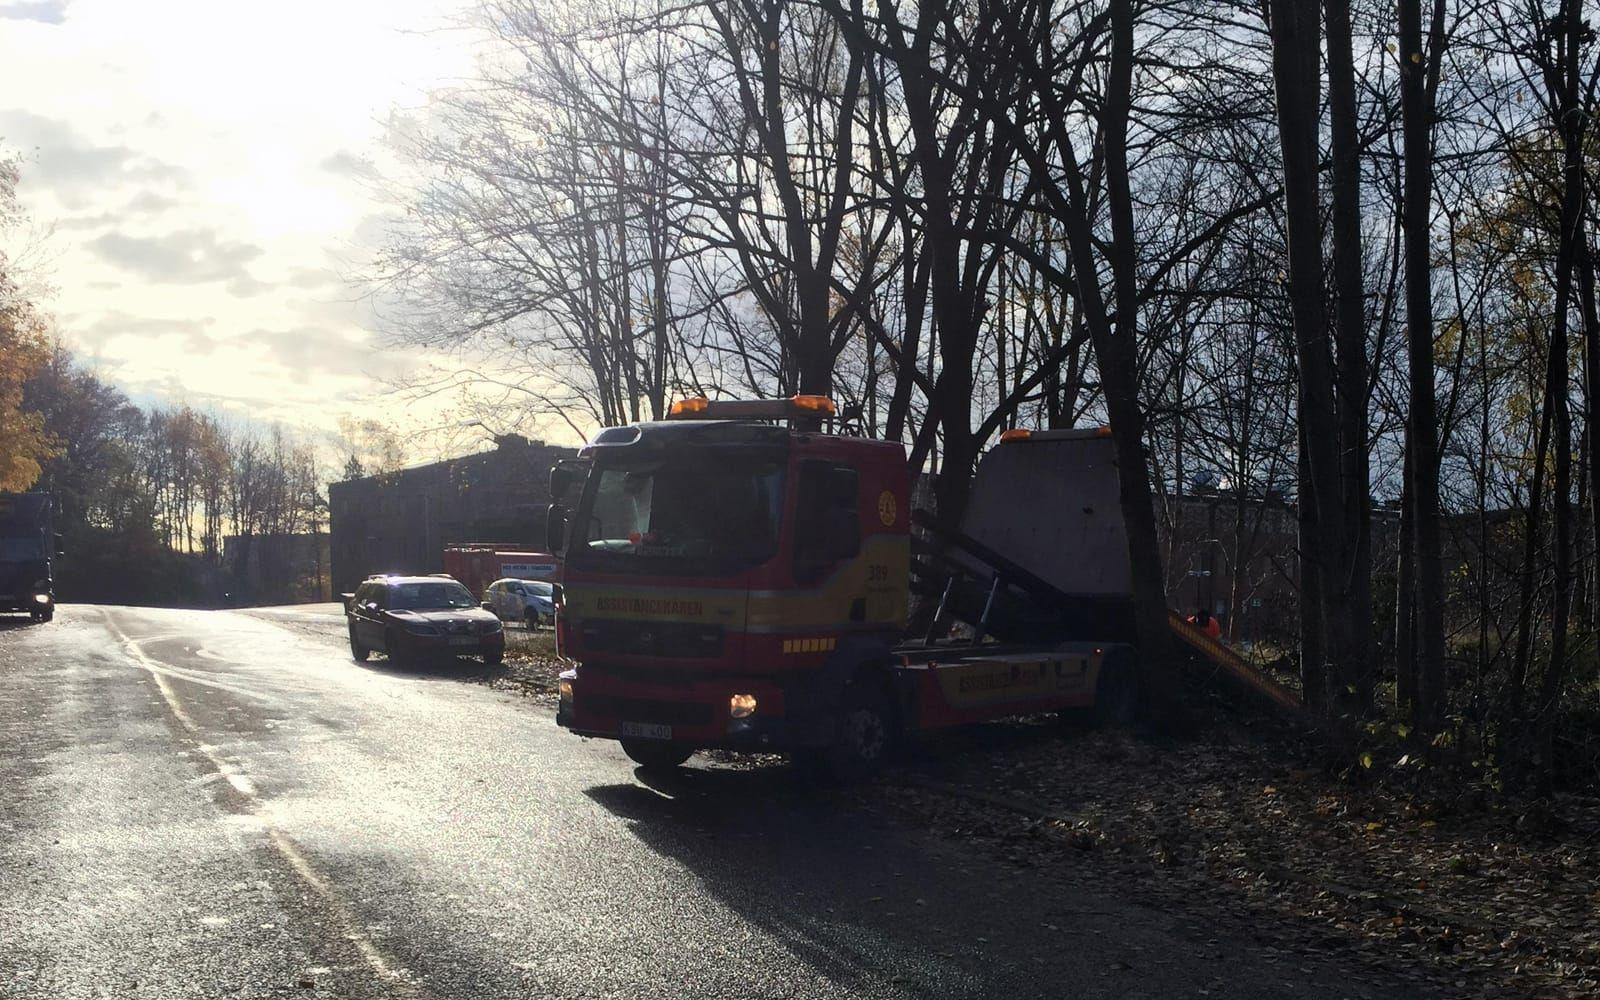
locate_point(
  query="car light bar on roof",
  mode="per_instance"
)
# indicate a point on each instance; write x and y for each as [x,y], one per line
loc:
[751,409]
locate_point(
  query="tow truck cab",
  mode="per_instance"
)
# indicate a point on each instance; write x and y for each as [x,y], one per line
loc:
[724,575]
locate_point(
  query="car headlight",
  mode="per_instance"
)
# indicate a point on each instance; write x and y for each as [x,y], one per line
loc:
[488,628]
[422,630]
[41,598]
[741,706]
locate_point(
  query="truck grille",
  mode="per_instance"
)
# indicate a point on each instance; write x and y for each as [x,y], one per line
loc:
[652,638]
[670,713]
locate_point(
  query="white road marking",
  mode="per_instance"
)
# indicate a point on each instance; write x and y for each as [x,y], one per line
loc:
[260,811]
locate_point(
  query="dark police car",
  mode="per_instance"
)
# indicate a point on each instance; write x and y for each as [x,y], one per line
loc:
[410,617]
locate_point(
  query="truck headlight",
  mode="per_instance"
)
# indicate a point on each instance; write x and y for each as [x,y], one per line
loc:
[741,706]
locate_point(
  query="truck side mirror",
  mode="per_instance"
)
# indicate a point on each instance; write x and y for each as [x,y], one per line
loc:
[843,524]
[560,481]
[564,473]
[843,482]
[844,533]
[555,528]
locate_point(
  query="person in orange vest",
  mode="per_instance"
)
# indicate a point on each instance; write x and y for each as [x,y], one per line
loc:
[1203,620]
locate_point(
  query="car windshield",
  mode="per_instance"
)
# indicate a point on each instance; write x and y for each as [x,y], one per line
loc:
[691,513]
[537,589]
[21,548]
[428,596]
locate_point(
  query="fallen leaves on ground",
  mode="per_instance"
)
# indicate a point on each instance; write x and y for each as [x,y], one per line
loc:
[530,668]
[1481,895]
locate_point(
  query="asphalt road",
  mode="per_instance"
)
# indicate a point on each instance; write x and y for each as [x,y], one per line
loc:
[198,804]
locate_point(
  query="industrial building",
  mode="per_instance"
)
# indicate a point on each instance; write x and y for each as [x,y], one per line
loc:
[400,522]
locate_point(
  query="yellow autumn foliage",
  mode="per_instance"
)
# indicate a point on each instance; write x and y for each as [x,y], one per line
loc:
[25,443]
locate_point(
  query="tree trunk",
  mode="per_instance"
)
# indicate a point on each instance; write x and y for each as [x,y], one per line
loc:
[1313,645]
[1571,120]
[1405,604]
[1416,108]
[1591,376]
[1359,663]
[1296,75]
[1118,357]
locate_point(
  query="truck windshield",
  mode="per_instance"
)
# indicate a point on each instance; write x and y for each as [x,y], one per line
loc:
[690,514]
[21,548]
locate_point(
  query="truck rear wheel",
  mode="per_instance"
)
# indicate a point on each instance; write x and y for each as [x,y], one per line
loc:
[654,756]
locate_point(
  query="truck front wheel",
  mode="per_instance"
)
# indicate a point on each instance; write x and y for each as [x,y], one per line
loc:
[653,756]
[1116,692]
[863,737]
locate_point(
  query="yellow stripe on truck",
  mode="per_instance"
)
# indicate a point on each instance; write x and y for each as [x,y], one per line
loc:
[820,644]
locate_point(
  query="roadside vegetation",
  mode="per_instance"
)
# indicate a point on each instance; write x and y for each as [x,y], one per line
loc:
[1354,315]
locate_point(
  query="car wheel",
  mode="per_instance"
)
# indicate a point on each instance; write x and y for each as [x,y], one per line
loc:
[394,647]
[494,658]
[653,756]
[531,619]
[357,650]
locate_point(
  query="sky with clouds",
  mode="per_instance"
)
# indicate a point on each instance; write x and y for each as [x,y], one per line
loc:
[205,171]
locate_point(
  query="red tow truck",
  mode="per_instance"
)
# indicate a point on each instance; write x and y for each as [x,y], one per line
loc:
[733,579]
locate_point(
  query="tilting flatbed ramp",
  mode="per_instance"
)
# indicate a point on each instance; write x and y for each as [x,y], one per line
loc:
[1233,665]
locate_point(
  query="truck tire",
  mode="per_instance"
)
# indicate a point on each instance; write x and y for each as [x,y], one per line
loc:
[655,756]
[1116,692]
[864,734]
[358,651]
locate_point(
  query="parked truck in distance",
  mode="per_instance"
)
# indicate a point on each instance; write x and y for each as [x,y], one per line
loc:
[732,579]
[478,564]
[28,547]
